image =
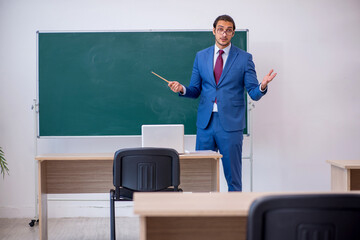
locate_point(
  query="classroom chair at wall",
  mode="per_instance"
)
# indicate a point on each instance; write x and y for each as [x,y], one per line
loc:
[142,170]
[305,217]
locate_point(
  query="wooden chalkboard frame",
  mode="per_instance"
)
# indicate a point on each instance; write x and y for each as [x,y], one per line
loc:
[40,102]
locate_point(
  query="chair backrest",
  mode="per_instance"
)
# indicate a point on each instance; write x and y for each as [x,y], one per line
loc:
[146,169]
[305,217]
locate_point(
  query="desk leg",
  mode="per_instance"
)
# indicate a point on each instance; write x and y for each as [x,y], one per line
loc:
[217,176]
[340,179]
[43,215]
[143,228]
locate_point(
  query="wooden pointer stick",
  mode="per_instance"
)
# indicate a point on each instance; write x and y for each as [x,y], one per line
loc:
[160,77]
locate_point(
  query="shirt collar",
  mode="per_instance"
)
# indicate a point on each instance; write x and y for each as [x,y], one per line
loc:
[226,50]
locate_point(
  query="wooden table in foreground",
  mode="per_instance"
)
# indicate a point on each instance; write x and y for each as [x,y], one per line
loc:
[196,216]
[345,175]
[193,216]
[92,173]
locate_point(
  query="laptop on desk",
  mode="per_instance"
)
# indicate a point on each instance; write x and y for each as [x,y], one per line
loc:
[165,136]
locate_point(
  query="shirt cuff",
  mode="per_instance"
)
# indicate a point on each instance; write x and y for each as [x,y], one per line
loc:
[184,88]
[262,90]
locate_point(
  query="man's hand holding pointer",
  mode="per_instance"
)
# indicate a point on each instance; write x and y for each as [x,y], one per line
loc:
[176,87]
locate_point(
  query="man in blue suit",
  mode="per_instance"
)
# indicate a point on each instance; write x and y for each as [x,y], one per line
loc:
[220,75]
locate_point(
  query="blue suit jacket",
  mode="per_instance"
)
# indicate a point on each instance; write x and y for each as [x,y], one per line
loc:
[238,73]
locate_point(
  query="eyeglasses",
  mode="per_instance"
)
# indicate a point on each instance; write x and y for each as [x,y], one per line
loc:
[222,31]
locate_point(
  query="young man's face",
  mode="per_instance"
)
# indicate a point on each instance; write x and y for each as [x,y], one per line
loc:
[223,33]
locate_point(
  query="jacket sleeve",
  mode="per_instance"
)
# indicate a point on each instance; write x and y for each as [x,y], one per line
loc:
[194,89]
[251,82]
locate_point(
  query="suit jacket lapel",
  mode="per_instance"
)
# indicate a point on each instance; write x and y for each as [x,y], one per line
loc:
[230,60]
[210,65]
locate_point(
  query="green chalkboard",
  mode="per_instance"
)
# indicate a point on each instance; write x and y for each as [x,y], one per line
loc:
[100,83]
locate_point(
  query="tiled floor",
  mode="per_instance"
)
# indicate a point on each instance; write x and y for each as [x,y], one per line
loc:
[127,228]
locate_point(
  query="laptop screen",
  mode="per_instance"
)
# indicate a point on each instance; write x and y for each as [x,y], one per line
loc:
[166,136]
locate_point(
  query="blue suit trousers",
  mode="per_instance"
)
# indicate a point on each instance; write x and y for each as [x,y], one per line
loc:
[229,143]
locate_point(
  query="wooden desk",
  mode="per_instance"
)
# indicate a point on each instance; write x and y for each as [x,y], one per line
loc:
[92,173]
[194,216]
[345,175]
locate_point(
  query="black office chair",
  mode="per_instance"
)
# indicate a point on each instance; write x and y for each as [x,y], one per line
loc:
[305,217]
[142,170]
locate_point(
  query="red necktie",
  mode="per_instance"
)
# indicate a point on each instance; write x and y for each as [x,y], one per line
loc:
[218,67]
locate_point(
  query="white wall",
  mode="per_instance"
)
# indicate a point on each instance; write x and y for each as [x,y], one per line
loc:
[310,114]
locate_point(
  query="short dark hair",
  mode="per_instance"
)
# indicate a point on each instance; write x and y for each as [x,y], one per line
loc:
[226,18]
